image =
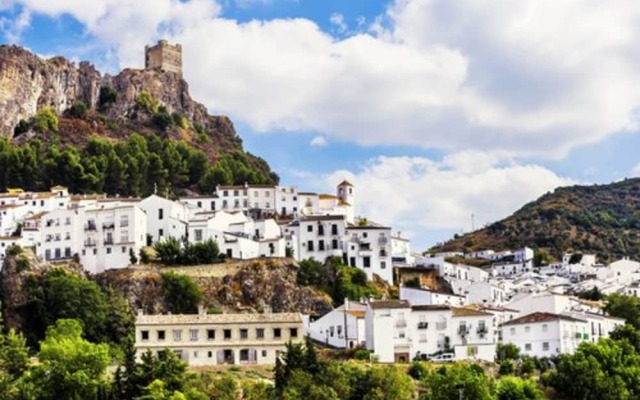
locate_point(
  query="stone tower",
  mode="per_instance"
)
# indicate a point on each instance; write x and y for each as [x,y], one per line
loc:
[164,56]
[347,194]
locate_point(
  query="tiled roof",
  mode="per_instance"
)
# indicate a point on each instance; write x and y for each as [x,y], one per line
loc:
[383,304]
[328,197]
[356,313]
[431,307]
[540,317]
[182,319]
[469,312]
[345,183]
[323,218]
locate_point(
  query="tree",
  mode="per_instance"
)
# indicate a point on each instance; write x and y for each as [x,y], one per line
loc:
[310,272]
[626,307]
[78,109]
[512,388]
[181,294]
[447,383]
[168,251]
[107,96]
[70,366]
[14,354]
[507,351]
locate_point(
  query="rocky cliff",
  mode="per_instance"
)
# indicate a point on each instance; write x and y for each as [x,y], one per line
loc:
[29,83]
[232,287]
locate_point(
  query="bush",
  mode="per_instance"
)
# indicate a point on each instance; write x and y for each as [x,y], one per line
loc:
[45,120]
[162,120]
[180,120]
[417,370]
[168,251]
[362,354]
[78,109]
[512,388]
[13,250]
[506,367]
[181,294]
[108,95]
[507,351]
[413,283]
[147,102]
[527,366]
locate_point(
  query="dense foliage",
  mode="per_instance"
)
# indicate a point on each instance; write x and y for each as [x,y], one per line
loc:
[598,219]
[337,280]
[181,294]
[137,166]
[104,315]
[171,252]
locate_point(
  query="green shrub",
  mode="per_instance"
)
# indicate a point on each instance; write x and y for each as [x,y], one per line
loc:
[78,109]
[527,366]
[362,354]
[108,95]
[181,294]
[506,367]
[45,120]
[13,250]
[417,370]
[147,102]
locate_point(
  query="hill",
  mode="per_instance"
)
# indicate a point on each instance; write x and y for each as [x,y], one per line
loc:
[601,219]
[79,121]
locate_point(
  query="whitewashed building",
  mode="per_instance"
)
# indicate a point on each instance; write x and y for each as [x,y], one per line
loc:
[342,327]
[423,297]
[165,218]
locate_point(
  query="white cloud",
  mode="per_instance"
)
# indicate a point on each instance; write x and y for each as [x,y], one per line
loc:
[532,77]
[318,141]
[635,171]
[337,20]
[420,195]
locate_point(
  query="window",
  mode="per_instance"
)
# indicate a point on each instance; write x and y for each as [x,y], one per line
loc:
[95,251]
[383,265]
[365,235]
[124,249]
[310,245]
[227,334]
[124,221]
[210,354]
[193,334]
[260,333]
[198,235]
[144,335]
[527,329]
[527,347]
[320,245]
[225,193]
[199,204]
[244,333]
[108,250]
[67,252]
[309,228]
[264,353]
[277,333]
[213,205]
[334,244]
[160,233]
[334,229]
[235,193]
[293,332]
[366,262]
[161,335]
[544,327]
[545,346]
[177,335]
[512,331]
[211,334]
[160,213]
[195,354]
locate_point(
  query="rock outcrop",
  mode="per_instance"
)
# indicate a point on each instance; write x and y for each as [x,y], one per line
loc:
[251,286]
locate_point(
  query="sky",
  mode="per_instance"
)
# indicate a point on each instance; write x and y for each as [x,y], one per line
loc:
[436,110]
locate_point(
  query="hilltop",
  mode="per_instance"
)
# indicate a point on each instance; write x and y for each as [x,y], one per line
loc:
[600,219]
[58,103]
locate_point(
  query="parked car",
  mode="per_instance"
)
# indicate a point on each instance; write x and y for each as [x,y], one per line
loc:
[444,357]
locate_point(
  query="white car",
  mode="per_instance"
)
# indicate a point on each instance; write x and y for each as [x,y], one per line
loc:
[444,357]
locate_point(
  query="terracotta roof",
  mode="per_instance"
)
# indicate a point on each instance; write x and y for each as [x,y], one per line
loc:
[431,307]
[6,206]
[9,237]
[328,197]
[184,319]
[540,317]
[469,312]
[356,313]
[382,304]
[345,183]
[323,218]
[307,194]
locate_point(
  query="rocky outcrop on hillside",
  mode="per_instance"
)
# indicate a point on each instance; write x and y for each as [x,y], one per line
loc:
[251,286]
[21,265]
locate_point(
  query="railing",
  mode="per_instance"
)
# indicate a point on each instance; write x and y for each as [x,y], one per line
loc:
[463,330]
[108,225]
[90,243]
[423,325]
[108,241]
[90,227]
[482,330]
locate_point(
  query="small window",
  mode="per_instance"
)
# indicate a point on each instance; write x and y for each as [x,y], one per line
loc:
[366,262]
[544,328]
[527,329]
[177,335]
[527,347]
[210,354]
[264,353]
[277,333]
[227,334]
[144,335]
[160,213]
[193,334]
[211,334]
[293,332]
[244,333]
[260,333]
[124,249]
[512,331]
[108,250]
[309,228]
[545,346]
[161,335]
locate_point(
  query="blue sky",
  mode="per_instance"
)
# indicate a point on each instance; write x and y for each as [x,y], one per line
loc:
[435,109]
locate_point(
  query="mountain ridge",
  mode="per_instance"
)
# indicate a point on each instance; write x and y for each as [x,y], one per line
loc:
[601,219]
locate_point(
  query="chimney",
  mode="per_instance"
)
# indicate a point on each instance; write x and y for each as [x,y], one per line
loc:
[202,312]
[140,312]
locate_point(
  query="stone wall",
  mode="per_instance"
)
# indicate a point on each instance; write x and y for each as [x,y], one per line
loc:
[164,56]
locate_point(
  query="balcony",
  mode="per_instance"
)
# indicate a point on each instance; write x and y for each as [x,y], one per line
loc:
[382,241]
[463,330]
[482,330]
[423,325]
[91,226]
[90,243]
[401,323]
[108,225]
[108,242]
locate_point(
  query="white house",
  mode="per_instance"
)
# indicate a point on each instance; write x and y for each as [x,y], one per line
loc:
[625,271]
[423,297]
[368,248]
[401,251]
[486,293]
[473,334]
[543,334]
[165,218]
[341,327]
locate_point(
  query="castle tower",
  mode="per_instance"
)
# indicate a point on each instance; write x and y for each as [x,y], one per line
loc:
[164,56]
[347,194]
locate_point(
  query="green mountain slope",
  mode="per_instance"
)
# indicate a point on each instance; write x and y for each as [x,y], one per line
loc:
[600,219]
